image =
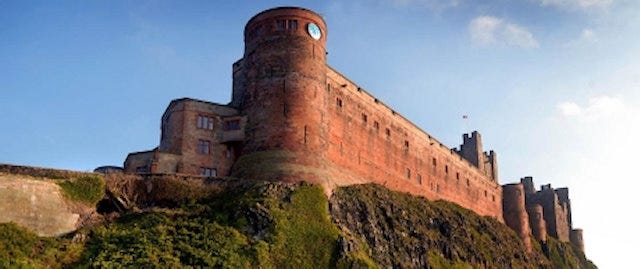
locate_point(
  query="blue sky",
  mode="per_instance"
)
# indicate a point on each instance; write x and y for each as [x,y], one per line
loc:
[552,85]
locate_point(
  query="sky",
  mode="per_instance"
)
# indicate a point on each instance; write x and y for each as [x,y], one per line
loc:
[553,86]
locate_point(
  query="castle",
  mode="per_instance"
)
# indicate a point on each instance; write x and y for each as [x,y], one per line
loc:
[292,117]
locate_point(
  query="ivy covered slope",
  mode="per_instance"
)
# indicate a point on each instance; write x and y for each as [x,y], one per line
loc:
[278,225]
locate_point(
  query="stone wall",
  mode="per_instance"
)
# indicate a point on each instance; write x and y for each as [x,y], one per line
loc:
[372,141]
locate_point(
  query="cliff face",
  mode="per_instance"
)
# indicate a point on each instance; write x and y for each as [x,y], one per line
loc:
[249,224]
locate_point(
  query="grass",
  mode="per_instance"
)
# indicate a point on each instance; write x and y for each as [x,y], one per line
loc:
[89,188]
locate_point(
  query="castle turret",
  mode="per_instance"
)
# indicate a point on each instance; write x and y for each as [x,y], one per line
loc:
[471,150]
[514,212]
[536,222]
[279,85]
[575,237]
[527,182]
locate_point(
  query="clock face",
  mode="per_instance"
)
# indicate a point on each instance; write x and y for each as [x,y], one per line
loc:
[314,31]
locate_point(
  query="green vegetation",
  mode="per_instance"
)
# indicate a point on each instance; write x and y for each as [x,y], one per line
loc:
[279,225]
[267,225]
[20,248]
[563,255]
[408,231]
[88,188]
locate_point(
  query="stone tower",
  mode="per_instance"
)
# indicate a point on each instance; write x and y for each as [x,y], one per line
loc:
[279,85]
[515,213]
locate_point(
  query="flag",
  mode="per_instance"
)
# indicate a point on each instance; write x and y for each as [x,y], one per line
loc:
[465,116]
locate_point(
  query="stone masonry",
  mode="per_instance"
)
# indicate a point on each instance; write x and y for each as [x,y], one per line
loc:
[294,118]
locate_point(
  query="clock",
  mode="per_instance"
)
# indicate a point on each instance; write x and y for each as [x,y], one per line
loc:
[314,31]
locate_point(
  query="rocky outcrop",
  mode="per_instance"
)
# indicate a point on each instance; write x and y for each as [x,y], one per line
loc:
[37,204]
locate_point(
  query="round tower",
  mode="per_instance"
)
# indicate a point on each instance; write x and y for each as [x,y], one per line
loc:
[280,85]
[575,238]
[537,223]
[514,212]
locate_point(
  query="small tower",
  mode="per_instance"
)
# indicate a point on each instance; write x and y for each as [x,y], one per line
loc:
[279,85]
[471,150]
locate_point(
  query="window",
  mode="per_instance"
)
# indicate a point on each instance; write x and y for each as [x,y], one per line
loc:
[446,169]
[408,172]
[142,169]
[468,183]
[293,24]
[376,125]
[203,146]
[281,24]
[433,160]
[231,125]
[205,122]
[493,198]
[485,193]
[388,132]
[209,172]
[364,118]
[406,145]
[457,175]
[419,179]
[339,102]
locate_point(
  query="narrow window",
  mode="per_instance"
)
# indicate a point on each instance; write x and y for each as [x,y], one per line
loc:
[435,163]
[203,146]
[468,183]
[142,169]
[364,118]
[328,87]
[376,125]
[485,193]
[388,132]
[204,122]
[493,198]
[281,24]
[406,144]
[228,153]
[457,175]
[419,179]
[408,173]
[231,125]
[208,172]
[446,169]
[293,24]
[339,102]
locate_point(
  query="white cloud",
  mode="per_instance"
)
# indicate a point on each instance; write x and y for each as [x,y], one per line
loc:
[597,109]
[587,36]
[489,30]
[573,4]
[569,109]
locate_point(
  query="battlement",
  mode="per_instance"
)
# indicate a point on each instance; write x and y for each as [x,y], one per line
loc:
[294,118]
[549,212]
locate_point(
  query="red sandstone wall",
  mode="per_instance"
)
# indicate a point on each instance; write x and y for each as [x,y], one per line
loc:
[366,151]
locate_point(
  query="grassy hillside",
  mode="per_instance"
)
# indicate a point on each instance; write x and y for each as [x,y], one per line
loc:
[277,225]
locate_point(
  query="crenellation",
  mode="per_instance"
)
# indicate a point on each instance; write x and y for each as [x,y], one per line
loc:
[293,117]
